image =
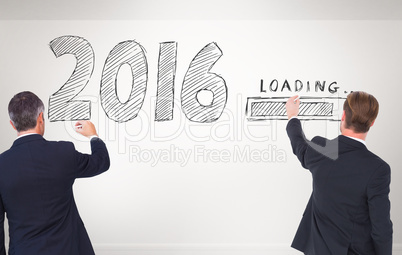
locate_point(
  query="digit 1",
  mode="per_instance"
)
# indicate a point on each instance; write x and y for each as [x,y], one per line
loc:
[166,78]
[131,53]
[61,104]
[198,78]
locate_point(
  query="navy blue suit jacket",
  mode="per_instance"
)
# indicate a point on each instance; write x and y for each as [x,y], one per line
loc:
[349,209]
[36,179]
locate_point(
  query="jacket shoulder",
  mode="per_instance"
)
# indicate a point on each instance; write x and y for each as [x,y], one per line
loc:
[376,160]
[320,140]
[60,143]
[323,142]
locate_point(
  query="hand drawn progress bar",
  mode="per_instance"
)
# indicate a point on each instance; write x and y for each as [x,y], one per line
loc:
[311,108]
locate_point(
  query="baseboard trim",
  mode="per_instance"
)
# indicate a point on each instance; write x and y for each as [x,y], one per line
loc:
[194,249]
[203,249]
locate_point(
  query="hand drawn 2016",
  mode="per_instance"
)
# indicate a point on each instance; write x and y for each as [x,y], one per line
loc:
[63,107]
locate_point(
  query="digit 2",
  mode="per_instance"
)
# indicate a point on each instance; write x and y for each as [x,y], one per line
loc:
[61,104]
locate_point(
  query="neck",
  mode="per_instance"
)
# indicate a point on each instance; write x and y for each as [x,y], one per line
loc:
[351,133]
[31,131]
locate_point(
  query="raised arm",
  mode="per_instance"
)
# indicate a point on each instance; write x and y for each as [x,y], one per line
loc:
[295,131]
[96,163]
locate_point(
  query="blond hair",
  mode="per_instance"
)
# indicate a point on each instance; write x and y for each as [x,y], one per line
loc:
[361,109]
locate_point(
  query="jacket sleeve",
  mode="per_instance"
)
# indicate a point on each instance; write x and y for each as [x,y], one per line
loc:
[94,164]
[2,245]
[298,140]
[379,210]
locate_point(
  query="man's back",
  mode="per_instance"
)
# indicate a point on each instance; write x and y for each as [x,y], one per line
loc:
[349,207]
[36,178]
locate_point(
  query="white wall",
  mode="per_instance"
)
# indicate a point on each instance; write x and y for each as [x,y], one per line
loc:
[208,207]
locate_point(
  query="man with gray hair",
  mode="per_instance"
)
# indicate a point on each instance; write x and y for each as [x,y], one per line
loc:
[36,178]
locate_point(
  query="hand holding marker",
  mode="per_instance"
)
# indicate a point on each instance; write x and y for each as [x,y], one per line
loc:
[297,98]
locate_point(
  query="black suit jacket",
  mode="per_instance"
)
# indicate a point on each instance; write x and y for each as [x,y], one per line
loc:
[36,179]
[349,209]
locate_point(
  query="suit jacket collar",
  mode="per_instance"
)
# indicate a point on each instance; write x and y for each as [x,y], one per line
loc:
[351,142]
[28,138]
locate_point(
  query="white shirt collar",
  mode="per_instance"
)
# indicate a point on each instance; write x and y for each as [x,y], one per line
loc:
[25,135]
[357,139]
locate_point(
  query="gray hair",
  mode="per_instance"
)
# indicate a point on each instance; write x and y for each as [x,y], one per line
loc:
[24,109]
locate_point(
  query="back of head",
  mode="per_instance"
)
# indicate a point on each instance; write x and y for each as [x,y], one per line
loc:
[361,109]
[24,109]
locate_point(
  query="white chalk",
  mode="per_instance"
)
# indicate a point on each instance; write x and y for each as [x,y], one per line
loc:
[298,97]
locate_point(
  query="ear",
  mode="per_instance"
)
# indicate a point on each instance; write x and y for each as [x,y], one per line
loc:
[343,116]
[12,124]
[372,123]
[40,118]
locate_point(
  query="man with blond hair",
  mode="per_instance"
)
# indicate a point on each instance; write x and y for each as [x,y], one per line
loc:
[349,210]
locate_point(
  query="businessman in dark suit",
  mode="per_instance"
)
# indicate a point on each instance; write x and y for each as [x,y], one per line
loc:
[36,179]
[349,210]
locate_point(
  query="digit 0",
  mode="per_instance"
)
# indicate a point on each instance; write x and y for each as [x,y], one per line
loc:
[131,53]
